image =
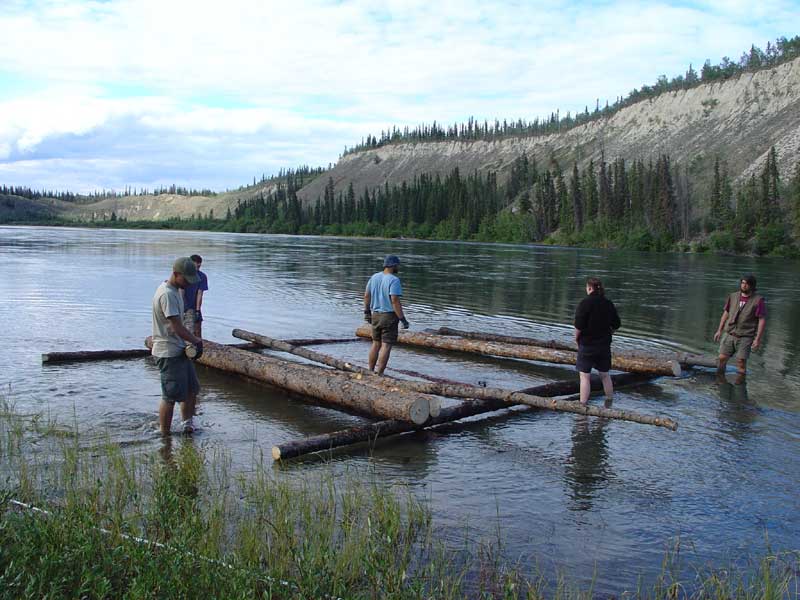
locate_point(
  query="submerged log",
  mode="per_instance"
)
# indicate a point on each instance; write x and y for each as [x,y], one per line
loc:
[486,394]
[468,408]
[685,359]
[350,391]
[632,364]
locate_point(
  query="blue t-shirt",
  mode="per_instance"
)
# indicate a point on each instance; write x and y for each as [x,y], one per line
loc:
[190,293]
[380,287]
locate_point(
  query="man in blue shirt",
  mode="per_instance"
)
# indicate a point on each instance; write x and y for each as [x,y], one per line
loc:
[193,300]
[383,310]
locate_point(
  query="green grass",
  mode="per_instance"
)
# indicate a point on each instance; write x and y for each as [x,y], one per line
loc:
[181,524]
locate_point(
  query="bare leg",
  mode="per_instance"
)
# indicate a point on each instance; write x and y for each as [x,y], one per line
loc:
[373,354]
[723,363]
[383,358]
[608,386]
[187,407]
[586,386]
[165,411]
[741,366]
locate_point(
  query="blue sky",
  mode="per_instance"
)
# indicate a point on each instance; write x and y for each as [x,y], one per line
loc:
[142,93]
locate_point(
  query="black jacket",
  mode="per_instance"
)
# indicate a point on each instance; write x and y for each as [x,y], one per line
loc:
[596,317]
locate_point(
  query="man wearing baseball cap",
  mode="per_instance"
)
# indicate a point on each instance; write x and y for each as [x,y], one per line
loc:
[179,381]
[743,321]
[383,310]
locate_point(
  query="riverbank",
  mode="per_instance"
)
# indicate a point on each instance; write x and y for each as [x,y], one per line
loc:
[111,523]
[767,242]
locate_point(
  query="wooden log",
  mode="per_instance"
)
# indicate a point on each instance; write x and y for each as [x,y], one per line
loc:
[469,408]
[90,355]
[631,364]
[685,359]
[321,341]
[345,390]
[487,394]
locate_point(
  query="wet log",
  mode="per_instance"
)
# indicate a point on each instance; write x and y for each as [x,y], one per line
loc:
[468,408]
[349,391]
[685,359]
[90,355]
[463,390]
[632,364]
[321,341]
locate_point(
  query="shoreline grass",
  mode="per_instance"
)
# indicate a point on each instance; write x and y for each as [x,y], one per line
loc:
[181,524]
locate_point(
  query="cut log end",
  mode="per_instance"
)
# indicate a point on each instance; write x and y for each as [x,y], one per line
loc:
[420,411]
[276,453]
[676,368]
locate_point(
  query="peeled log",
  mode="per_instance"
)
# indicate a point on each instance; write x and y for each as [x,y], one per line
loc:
[346,390]
[468,408]
[462,390]
[652,366]
[683,358]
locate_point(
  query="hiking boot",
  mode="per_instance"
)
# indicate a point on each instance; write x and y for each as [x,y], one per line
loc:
[188,426]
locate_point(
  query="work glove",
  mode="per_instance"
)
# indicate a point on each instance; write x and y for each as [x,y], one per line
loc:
[199,351]
[368,316]
[404,321]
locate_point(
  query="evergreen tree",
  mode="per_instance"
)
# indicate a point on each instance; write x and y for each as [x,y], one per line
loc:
[576,196]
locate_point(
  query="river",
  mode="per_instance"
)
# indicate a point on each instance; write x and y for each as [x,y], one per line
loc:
[566,492]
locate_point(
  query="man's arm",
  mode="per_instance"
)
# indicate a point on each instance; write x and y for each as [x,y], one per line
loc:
[722,322]
[182,332]
[762,324]
[198,300]
[398,308]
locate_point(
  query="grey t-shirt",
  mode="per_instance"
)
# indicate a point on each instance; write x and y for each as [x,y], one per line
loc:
[167,302]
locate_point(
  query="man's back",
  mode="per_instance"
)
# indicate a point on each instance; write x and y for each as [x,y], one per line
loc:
[381,287]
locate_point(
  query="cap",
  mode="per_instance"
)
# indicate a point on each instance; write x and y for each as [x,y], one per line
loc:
[186,267]
[391,261]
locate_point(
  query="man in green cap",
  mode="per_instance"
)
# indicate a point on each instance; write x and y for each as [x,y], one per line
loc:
[179,381]
[383,310]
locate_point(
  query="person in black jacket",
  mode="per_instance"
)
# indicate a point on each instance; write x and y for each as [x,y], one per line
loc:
[596,318]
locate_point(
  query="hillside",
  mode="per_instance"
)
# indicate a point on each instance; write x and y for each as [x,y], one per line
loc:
[738,120]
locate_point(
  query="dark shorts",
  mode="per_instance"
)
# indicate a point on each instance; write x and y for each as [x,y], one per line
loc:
[598,357]
[384,327]
[178,378]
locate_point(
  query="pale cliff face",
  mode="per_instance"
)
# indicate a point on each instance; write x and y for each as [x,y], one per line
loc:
[737,120]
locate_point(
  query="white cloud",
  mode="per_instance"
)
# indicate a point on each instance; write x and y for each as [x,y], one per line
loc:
[306,78]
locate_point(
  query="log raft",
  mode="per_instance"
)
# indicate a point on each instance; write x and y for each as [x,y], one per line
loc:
[685,359]
[631,364]
[461,390]
[350,391]
[467,408]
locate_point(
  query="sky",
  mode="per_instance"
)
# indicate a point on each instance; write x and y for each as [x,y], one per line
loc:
[111,94]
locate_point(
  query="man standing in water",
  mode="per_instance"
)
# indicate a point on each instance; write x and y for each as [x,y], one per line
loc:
[383,310]
[193,300]
[745,314]
[596,318]
[179,381]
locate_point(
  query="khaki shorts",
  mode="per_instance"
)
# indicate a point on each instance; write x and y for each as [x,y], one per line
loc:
[178,378]
[384,327]
[738,347]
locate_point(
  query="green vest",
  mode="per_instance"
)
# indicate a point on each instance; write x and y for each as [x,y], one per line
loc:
[742,322]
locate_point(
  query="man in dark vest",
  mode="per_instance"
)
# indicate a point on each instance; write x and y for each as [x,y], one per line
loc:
[742,325]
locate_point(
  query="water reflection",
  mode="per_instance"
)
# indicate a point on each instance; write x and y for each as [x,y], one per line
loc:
[737,412]
[587,467]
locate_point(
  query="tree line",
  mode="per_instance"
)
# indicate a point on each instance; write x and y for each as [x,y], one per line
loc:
[781,51]
[646,205]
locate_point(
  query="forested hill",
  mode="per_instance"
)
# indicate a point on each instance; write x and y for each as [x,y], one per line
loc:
[736,121]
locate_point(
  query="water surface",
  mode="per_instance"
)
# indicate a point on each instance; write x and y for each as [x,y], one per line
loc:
[565,491]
